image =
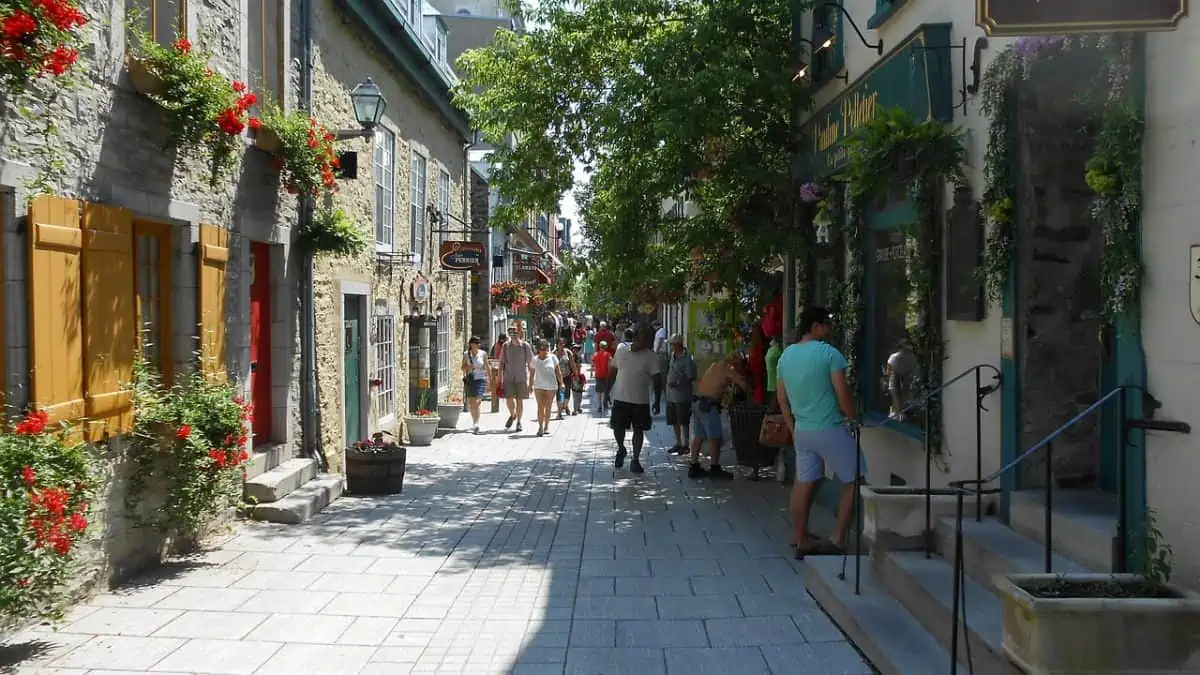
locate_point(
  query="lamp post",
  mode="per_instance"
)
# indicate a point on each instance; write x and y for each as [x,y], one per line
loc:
[368,103]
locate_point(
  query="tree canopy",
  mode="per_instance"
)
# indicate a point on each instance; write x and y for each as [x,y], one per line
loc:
[657,99]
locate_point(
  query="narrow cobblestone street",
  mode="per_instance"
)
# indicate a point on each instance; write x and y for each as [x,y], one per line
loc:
[505,554]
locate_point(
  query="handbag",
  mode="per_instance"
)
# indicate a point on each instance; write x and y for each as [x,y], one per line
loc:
[774,432]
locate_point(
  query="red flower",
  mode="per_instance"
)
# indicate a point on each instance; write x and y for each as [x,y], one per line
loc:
[61,544]
[60,60]
[239,87]
[18,24]
[183,432]
[247,100]
[33,424]
[22,583]
[78,523]
[184,46]
[29,476]
[62,14]
[218,457]
[254,123]
[230,122]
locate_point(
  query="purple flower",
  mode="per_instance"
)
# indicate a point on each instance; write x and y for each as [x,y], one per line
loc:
[810,193]
[1031,47]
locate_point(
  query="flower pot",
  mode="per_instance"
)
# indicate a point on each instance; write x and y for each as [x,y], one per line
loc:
[267,140]
[421,430]
[376,471]
[144,81]
[1101,634]
[895,516]
[448,415]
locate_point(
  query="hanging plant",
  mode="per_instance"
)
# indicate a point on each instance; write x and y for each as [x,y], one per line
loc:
[38,39]
[509,294]
[206,112]
[303,149]
[332,232]
[811,193]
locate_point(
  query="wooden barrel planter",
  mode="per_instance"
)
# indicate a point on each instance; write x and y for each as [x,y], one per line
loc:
[376,471]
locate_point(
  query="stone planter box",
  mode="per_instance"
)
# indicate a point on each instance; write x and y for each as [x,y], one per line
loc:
[376,471]
[895,516]
[144,81]
[421,430]
[268,141]
[1100,635]
[448,415]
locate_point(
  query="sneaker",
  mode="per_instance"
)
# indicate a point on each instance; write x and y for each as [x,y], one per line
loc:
[620,458]
[718,472]
[541,432]
[475,429]
[508,424]
[518,427]
[636,467]
[696,471]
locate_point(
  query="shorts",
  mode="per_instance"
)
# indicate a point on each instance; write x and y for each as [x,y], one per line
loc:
[679,413]
[834,447]
[516,389]
[706,425]
[601,385]
[626,415]
[476,387]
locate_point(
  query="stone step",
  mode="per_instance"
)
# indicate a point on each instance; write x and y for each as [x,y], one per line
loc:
[925,587]
[265,457]
[280,481]
[882,628]
[991,550]
[303,503]
[1083,526]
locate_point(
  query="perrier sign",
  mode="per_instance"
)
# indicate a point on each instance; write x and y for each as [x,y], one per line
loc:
[1056,17]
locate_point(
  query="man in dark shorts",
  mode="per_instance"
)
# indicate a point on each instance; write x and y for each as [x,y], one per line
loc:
[633,371]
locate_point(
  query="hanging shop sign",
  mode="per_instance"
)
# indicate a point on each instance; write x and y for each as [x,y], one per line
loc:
[420,289]
[1194,279]
[526,266]
[915,76]
[1057,17]
[462,256]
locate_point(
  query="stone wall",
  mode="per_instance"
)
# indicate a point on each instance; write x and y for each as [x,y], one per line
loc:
[111,142]
[342,58]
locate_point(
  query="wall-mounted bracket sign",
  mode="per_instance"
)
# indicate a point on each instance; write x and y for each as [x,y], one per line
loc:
[1194,282]
[420,289]
[1058,17]
[462,256]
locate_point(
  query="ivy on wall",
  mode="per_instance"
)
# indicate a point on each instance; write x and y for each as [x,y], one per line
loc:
[1113,172]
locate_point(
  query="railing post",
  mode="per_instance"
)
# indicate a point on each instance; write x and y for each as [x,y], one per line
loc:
[957,565]
[928,483]
[978,447]
[858,519]
[1122,486]
[1049,506]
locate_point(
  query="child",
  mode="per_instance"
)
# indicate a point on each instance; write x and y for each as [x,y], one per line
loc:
[578,383]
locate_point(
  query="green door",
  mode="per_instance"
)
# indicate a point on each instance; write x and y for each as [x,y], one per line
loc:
[351,368]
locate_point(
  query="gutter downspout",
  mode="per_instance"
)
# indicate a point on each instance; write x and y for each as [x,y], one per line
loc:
[310,428]
[468,235]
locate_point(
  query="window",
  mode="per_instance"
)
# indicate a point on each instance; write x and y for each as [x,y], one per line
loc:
[264,24]
[444,206]
[419,203]
[892,374]
[385,189]
[152,281]
[826,26]
[443,354]
[414,12]
[385,364]
[884,9]
[439,44]
[163,20]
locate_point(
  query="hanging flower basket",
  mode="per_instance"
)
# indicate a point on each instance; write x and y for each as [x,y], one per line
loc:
[145,81]
[303,150]
[38,40]
[268,141]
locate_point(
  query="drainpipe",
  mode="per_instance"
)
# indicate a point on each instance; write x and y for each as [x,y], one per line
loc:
[309,427]
[468,235]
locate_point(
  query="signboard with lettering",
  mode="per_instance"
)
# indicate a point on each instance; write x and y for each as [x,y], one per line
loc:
[915,76]
[462,256]
[1056,17]
[526,266]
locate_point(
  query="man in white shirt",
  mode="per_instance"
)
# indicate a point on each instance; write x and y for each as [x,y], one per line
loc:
[635,367]
[660,348]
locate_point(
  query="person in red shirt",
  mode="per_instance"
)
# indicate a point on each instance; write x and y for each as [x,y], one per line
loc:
[606,336]
[600,363]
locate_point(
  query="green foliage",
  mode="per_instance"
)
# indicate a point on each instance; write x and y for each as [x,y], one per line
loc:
[305,154]
[189,438]
[1157,558]
[46,479]
[655,100]
[897,143]
[41,40]
[331,231]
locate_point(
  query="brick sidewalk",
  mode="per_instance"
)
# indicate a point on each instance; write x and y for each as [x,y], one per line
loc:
[504,554]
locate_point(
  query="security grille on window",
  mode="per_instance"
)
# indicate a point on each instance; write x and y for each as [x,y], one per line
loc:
[385,189]
[385,367]
[419,202]
[163,20]
[444,207]
[443,353]
[264,24]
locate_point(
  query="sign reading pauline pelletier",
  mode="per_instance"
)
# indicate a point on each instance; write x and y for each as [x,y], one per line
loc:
[1056,17]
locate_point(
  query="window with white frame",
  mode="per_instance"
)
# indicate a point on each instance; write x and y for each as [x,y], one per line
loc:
[419,201]
[414,11]
[385,189]
[385,364]
[443,354]
[444,206]
[439,44]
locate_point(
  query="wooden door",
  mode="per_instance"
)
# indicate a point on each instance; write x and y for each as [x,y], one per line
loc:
[260,340]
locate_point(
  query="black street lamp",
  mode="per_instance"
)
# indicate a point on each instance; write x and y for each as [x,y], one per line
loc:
[368,103]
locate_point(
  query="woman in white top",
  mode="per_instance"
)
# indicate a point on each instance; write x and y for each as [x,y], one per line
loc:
[477,378]
[547,380]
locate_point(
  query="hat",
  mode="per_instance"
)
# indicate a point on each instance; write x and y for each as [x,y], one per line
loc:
[676,339]
[604,343]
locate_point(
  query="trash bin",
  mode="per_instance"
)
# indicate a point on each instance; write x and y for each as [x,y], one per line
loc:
[745,422]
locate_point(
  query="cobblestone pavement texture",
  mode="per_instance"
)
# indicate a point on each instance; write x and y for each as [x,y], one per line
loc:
[504,554]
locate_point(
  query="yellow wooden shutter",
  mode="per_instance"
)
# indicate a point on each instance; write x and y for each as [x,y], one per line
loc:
[213,254]
[55,308]
[109,320]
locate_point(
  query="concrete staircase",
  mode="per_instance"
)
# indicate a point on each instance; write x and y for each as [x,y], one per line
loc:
[902,618]
[284,489]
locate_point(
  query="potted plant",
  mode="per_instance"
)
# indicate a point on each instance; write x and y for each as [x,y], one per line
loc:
[1102,623]
[206,112]
[331,231]
[449,410]
[40,39]
[375,466]
[303,150]
[423,424]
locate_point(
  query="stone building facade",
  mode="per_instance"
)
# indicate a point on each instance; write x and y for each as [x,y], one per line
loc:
[111,144]
[392,323]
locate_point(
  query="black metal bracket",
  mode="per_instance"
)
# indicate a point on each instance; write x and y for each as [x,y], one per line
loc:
[1159,425]
[844,76]
[987,390]
[965,90]
[878,46]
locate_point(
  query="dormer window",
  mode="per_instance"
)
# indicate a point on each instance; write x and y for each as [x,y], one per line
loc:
[439,43]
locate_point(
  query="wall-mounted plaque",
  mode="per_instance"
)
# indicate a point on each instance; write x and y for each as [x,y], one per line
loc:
[1058,17]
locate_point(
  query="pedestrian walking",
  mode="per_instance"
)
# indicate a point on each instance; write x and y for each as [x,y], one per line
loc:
[706,420]
[547,381]
[566,371]
[516,374]
[578,381]
[660,349]
[589,345]
[607,337]
[633,370]
[681,379]
[819,410]
[601,373]
[477,379]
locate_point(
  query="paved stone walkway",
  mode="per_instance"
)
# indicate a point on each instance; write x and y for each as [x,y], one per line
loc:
[504,554]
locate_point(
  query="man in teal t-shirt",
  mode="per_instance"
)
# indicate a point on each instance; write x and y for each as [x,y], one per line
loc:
[772,359]
[816,402]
